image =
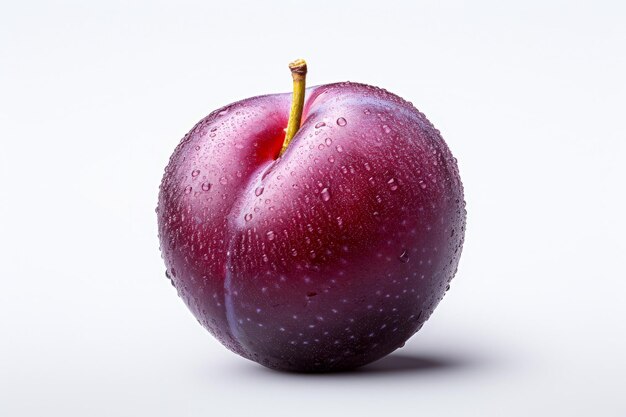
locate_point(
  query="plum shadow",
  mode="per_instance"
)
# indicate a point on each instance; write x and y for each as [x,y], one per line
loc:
[405,363]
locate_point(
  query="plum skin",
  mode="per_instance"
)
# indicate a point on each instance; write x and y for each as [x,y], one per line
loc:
[328,257]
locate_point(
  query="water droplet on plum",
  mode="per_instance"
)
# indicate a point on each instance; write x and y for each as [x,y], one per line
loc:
[325,194]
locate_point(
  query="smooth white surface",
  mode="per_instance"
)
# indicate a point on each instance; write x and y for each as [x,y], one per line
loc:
[530,96]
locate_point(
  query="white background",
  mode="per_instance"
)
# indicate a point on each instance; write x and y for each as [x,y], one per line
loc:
[529,95]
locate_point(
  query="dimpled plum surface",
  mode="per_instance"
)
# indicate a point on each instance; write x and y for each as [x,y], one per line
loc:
[328,257]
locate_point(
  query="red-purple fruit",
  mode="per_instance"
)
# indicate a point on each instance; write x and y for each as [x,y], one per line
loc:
[319,251]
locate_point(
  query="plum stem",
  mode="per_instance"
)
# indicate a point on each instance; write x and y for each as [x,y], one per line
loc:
[298,73]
